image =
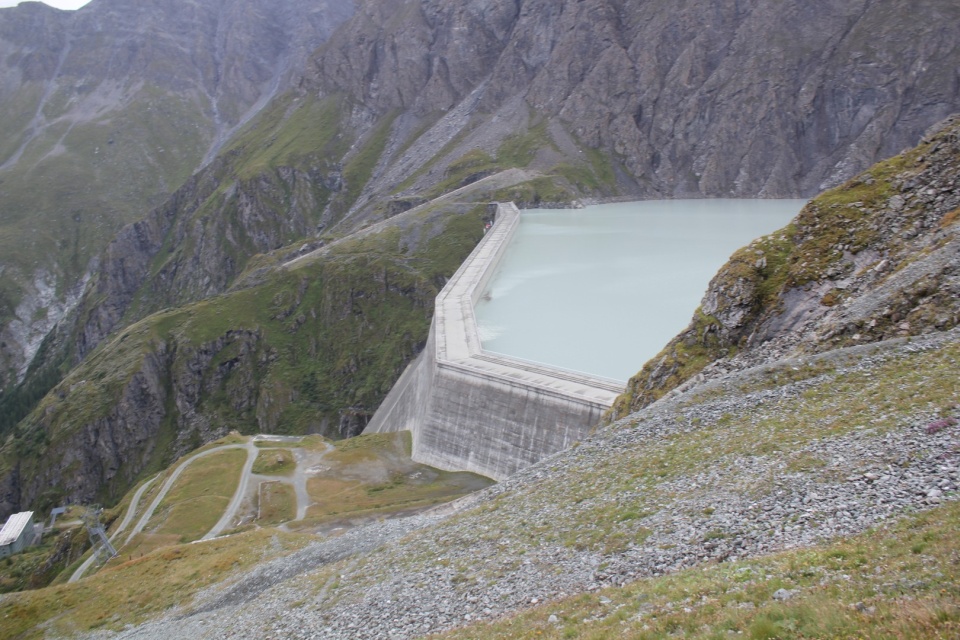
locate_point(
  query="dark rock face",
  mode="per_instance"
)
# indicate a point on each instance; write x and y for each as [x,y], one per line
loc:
[874,259]
[352,422]
[201,254]
[733,98]
[126,262]
[157,417]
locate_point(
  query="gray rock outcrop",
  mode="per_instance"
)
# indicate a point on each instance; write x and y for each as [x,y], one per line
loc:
[748,99]
[874,259]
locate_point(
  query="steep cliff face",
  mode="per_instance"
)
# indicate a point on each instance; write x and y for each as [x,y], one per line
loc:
[691,99]
[258,196]
[312,349]
[105,111]
[876,258]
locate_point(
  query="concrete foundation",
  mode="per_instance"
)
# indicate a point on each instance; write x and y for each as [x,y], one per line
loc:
[469,410]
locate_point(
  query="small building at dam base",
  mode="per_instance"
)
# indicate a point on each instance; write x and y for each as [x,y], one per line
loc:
[17,534]
[469,410]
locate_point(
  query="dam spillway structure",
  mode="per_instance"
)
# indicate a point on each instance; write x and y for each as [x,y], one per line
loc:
[470,410]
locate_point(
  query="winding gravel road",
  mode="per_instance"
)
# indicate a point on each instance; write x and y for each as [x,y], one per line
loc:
[298,481]
[131,511]
[145,518]
[231,511]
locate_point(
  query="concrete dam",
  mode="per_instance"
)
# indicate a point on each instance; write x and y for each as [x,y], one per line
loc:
[469,410]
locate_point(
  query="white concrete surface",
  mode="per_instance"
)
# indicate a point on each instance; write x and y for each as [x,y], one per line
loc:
[475,411]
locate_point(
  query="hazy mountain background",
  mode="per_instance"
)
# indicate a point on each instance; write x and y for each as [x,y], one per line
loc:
[105,112]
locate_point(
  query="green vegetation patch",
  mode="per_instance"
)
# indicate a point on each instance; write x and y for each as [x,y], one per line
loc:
[519,150]
[198,498]
[61,202]
[139,587]
[277,503]
[359,168]
[373,474]
[544,189]
[594,174]
[291,131]
[469,168]
[275,462]
[38,566]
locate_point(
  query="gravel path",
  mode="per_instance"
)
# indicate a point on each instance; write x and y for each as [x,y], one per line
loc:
[127,518]
[145,518]
[230,513]
[304,461]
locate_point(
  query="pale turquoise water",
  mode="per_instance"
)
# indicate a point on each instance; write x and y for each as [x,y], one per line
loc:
[601,290]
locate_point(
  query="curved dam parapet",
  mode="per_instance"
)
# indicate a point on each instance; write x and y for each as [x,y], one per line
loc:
[469,410]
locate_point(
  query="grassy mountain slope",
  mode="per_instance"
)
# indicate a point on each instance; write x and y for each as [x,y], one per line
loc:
[362,479]
[703,488]
[107,110]
[310,349]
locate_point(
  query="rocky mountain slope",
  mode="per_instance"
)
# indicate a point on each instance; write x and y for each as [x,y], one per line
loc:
[311,349]
[531,101]
[690,99]
[105,111]
[874,259]
[389,130]
[805,496]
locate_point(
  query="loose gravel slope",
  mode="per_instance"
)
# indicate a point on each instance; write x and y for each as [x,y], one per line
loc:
[783,456]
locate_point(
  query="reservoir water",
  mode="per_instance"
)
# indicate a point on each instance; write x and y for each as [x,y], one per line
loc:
[602,289]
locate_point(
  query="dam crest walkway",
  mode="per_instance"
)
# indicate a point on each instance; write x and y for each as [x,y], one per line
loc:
[473,410]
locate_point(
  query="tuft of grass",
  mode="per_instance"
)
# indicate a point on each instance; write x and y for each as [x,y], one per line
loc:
[275,462]
[596,175]
[950,218]
[519,150]
[278,503]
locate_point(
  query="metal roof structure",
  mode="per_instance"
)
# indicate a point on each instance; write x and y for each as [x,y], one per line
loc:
[14,527]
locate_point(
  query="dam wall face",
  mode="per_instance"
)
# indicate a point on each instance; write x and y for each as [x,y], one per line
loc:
[469,410]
